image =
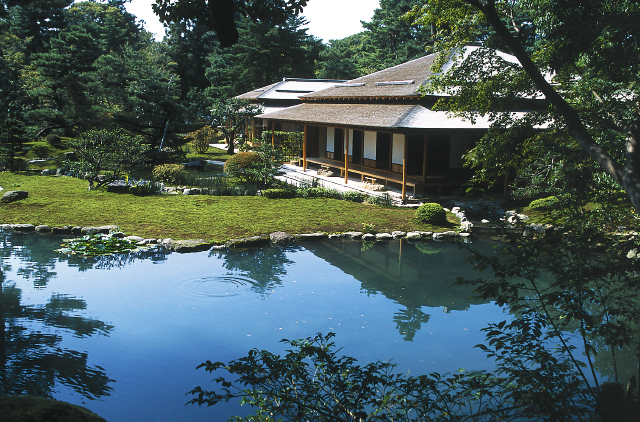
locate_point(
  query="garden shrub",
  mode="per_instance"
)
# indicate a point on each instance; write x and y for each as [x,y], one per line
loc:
[385,200]
[544,204]
[144,187]
[238,163]
[309,192]
[278,193]
[53,140]
[170,173]
[431,213]
[200,139]
[354,196]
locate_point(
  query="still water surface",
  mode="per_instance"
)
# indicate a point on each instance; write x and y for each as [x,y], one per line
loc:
[122,335]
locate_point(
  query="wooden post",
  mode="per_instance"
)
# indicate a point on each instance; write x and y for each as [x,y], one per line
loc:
[253,128]
[404,171]
[346,157]
[304,150]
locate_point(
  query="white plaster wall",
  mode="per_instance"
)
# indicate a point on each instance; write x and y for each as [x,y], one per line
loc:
[369,145]
[397,148]
[330,134]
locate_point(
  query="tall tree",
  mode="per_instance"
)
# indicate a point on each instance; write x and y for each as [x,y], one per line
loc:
[581,57]
[263,55]
[220,15]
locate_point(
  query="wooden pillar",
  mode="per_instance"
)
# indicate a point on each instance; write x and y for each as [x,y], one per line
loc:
[346,157]
[253,128]
[404,171]
[304,150]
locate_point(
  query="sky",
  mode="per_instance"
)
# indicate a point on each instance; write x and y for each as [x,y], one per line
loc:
[328,19]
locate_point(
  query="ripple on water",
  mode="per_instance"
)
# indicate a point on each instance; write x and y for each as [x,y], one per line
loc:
[219,286]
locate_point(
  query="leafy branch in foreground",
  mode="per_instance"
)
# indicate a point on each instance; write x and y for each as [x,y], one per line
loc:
[574,298]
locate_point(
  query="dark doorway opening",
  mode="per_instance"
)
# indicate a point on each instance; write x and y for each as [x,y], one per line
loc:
[383,151]
[415,155]
[338,144]
[438,151]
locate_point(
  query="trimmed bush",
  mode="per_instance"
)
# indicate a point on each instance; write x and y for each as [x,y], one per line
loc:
[170,173]
[544,204]
[431,213]
[308,192]
[278,193]
[354,196]
[238,163]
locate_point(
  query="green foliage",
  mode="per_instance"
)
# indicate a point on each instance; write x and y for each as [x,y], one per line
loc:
[431,213]
[369,228]
[230,115]
[264,171]
[143,187]
[309,192]
[588,106]
[353,196]
[54,140]
[97,244]
[571,284]
[170,173]
[544,204]
[106,152]
[238,164]
[290,143]
[201,138]
[278,193]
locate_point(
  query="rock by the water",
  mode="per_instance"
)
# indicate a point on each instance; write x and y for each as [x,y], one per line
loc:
[100,229]
[14,195]
[368,237]
[135,238]
[311,236]
[383,236]
[398,234]
[43,229]
[336,236]
[189,245]
[61,230]
[76,230]
[353,235]
[21,227]
[247,242]
[281,238]
[414,236]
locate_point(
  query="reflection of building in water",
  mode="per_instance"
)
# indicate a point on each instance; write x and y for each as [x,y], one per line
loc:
[413,275]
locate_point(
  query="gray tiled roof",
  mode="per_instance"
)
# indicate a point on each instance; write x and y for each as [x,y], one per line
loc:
[389,116]
[399,81]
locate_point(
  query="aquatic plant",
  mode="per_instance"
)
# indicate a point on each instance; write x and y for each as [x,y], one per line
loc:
[97,244]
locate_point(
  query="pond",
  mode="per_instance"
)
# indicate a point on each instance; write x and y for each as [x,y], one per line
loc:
[122,335]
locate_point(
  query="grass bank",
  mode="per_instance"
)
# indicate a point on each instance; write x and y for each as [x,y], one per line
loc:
[64,201]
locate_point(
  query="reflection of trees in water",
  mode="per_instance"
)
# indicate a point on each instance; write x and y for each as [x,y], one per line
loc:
[263,265]
[31,357]
[409,321]
[37,260]
[119,260]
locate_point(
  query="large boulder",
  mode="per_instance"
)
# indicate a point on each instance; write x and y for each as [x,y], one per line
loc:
[14,195]
[281,238]
[97,230]
[188,245]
